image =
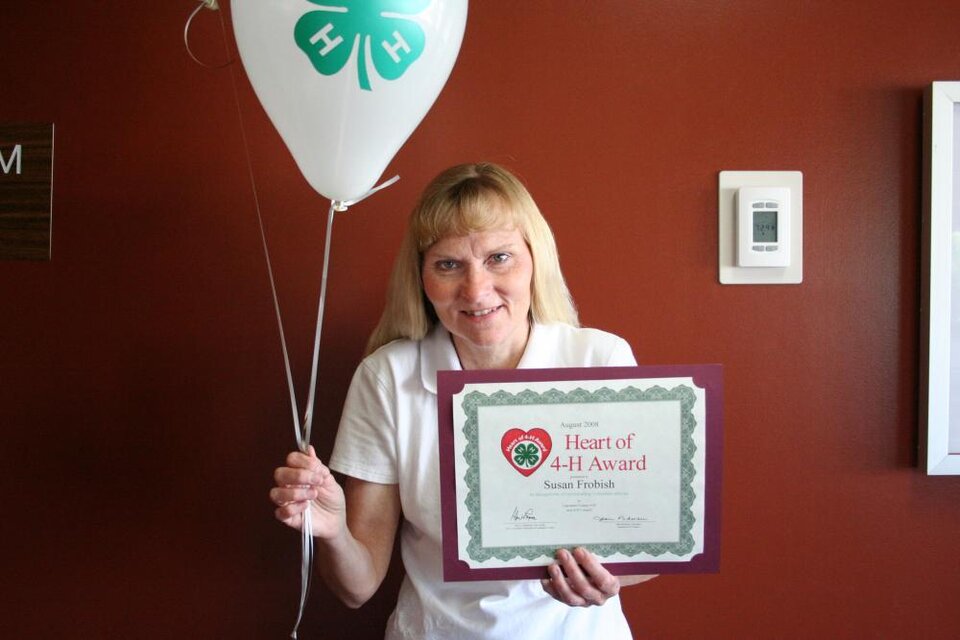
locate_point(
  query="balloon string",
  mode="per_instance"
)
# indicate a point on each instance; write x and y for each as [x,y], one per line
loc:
[335,206]
[342,205]
[306,539]
[304,434]
[302,431]
[306,568]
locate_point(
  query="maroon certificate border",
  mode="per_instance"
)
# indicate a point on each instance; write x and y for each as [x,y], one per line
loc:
[706,376]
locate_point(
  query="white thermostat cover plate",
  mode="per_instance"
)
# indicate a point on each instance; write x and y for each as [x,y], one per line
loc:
[730,273]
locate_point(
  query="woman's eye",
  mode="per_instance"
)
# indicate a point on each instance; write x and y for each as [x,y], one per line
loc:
[499,258]
[446,265]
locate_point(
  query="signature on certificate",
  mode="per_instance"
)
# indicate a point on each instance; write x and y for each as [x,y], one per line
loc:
[622,518]
[518,515]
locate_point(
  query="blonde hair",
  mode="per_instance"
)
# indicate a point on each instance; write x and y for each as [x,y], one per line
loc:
[461,200]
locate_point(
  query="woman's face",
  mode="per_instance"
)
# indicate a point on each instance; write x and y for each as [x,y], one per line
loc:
[479,285]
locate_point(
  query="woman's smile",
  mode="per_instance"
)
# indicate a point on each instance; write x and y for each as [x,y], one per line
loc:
[482,312]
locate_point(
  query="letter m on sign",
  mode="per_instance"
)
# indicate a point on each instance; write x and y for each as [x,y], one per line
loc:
[7,164]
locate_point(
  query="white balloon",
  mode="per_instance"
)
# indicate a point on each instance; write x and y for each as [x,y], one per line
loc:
[346,82]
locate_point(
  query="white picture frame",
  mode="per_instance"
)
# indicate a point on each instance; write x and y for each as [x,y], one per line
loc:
[940,291]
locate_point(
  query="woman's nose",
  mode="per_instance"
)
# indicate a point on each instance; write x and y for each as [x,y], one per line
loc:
[476,284]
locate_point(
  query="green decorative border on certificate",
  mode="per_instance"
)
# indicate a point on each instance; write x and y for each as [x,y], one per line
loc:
[475,399]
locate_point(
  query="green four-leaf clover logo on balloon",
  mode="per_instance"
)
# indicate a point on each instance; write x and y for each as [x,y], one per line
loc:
[380,29]
[526,455]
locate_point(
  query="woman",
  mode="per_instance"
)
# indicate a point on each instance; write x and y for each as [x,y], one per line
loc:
[477,285]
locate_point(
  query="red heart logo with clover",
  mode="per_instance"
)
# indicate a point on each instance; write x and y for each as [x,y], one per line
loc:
[526,450]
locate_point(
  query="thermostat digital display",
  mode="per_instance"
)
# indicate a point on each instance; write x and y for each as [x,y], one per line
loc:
[763,227]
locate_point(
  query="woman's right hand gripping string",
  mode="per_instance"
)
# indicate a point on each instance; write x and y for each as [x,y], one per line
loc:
[306,483]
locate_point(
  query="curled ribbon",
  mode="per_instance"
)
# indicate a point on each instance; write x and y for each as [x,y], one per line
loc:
[204,4]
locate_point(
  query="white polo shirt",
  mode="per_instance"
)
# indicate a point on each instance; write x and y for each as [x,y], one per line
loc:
[388,434]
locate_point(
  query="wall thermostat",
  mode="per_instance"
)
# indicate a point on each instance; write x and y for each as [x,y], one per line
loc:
[763,227]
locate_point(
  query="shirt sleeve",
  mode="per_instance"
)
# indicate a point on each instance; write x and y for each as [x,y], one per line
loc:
[621,355]
[366,445]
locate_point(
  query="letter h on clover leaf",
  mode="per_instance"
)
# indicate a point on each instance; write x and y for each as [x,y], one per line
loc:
[377,28]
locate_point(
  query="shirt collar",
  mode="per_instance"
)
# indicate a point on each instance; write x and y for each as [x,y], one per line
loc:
[438,354]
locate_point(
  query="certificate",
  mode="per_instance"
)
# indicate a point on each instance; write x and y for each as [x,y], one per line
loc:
[622,460]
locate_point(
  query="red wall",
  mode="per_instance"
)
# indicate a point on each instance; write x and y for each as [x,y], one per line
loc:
[142,400]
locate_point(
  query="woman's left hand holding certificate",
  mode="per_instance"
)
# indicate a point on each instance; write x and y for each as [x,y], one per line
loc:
[578,579]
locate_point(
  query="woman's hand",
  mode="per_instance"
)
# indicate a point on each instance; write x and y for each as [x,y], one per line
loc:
[353,553]
[306,483]
[578,579]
